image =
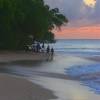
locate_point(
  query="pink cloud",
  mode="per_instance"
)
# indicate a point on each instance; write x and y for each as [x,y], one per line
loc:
[86,32]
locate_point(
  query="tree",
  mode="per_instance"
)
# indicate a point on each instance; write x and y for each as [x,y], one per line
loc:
[21,18]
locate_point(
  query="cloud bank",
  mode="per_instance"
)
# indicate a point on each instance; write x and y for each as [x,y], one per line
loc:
[79,12]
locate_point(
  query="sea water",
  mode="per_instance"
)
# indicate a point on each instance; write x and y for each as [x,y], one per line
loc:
[82,47]
[89,74]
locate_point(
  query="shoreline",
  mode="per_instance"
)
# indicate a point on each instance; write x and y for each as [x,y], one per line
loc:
[14,88]
[44,83]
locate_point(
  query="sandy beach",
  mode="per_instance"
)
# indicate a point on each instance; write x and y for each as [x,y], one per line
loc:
[9,56]
[14,88]
[24,80]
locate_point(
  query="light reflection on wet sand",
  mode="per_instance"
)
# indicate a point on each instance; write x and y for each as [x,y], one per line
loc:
[66,89]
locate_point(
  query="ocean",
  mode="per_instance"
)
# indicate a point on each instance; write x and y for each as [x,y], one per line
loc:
[78,46]
[89,74]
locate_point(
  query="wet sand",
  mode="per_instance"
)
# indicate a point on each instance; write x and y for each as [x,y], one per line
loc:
[8,56]
[66,89]
[45,77]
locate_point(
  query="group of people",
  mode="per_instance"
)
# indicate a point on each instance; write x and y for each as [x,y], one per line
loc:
[42,48]
[37,48]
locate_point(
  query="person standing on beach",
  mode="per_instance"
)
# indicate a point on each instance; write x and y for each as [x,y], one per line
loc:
[38,47]
[48,49]
[52,53]
[48,52]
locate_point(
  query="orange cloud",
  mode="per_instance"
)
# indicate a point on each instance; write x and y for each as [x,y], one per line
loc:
[88,32]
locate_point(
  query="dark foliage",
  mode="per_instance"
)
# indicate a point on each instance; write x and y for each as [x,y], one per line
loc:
[20,19]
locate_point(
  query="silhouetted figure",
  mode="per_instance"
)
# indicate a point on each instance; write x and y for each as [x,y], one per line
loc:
[52,53]
[34,47]
[48,49]
[48,52]
[38,47]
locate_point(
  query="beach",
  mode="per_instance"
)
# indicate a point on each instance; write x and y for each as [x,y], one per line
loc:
[42,82]
[49,50]
[10,56]
[69,76]
[14,88]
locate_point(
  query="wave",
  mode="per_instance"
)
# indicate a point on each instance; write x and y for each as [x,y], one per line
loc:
[89,75]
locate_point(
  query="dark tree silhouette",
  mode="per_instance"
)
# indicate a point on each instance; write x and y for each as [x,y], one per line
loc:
[20,19]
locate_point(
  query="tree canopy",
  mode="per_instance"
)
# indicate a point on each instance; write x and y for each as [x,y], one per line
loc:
[20,19]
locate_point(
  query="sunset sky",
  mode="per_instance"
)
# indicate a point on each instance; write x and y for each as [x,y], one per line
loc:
[84,18]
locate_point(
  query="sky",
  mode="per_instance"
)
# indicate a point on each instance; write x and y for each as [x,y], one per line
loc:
[83,16]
